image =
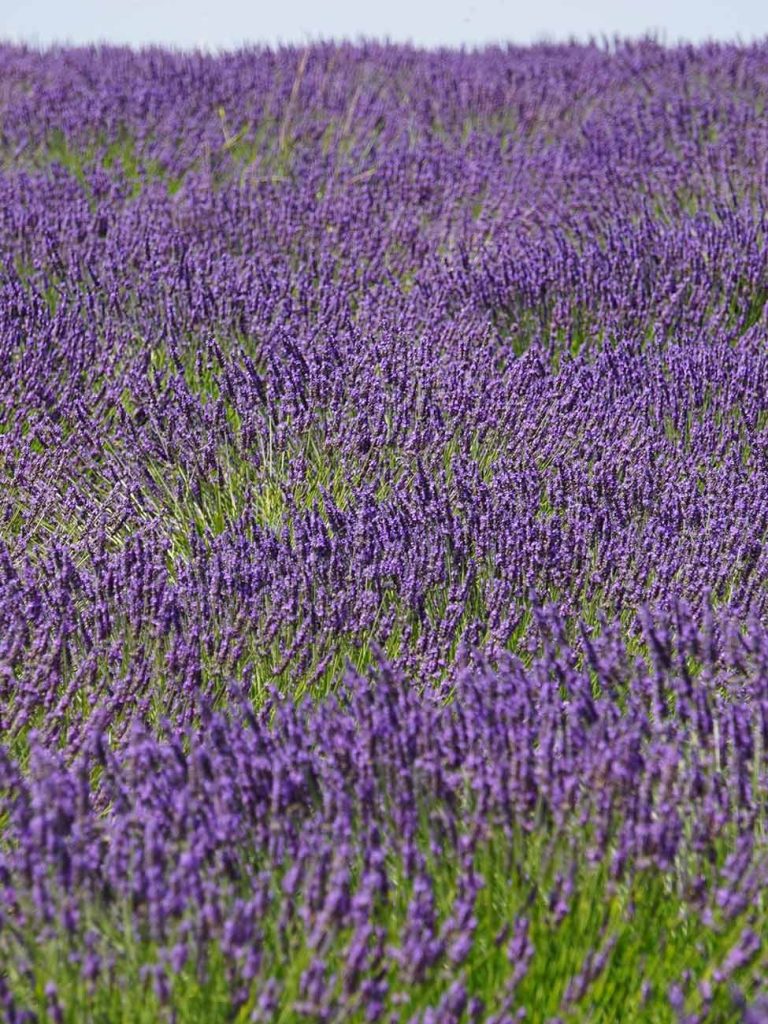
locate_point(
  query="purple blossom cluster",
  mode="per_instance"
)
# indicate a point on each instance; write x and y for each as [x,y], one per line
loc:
[356,405]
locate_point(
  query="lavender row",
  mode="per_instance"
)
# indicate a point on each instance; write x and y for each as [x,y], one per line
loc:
[302,853]
[197,541]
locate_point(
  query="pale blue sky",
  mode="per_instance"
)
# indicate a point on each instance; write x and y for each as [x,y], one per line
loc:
[217,24]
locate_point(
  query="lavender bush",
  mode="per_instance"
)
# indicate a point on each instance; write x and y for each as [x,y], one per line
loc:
[383,497]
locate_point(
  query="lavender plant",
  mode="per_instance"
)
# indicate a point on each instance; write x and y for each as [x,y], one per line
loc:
[383,501]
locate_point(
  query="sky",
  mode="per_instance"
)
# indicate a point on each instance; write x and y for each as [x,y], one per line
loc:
[224,24]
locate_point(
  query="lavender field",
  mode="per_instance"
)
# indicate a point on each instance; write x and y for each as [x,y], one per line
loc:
[383,535]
